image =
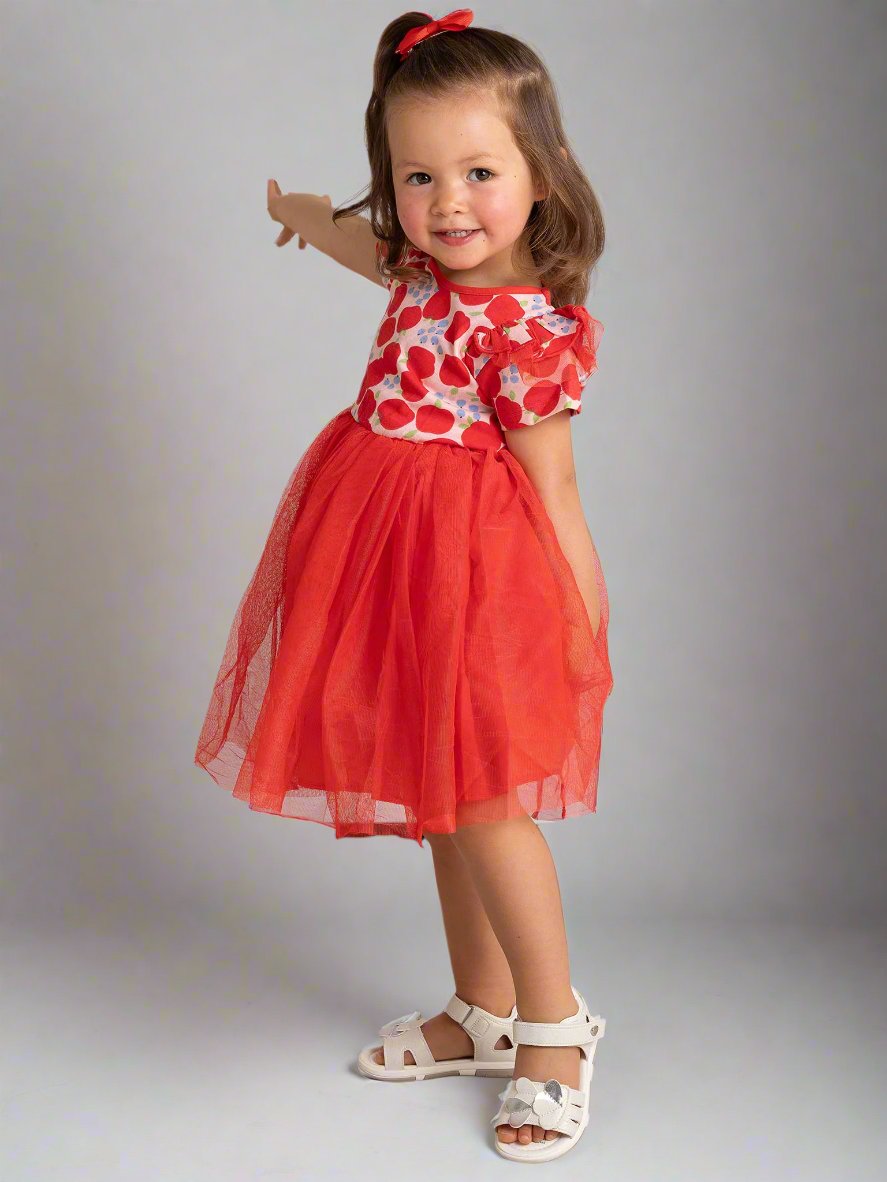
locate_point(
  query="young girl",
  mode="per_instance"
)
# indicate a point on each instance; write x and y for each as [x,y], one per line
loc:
[422,650]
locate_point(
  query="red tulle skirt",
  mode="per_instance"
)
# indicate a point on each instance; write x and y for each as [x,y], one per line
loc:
[413,653]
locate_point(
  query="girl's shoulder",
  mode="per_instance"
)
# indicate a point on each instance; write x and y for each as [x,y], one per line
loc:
[415,258]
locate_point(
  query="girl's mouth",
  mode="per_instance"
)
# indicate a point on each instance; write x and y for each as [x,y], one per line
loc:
[456,239]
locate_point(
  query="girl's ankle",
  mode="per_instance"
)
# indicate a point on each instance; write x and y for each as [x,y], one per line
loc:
[498,1005]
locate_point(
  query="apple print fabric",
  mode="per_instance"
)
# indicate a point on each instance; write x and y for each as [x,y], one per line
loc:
[462,364]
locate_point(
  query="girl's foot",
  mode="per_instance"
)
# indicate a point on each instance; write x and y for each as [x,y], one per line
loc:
[447,1039]
[542,1063]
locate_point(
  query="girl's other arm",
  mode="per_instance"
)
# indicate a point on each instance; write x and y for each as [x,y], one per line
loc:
[545,452]
[350,242]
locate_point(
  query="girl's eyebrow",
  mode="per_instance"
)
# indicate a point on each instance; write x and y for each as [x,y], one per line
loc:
[465,160]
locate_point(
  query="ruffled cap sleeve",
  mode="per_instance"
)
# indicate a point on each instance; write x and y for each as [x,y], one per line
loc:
[538,365]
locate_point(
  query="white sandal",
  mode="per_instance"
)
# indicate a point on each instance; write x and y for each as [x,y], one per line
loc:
[405,1034]
[551,1105]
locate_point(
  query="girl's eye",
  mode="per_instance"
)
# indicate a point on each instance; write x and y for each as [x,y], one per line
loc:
[478,169]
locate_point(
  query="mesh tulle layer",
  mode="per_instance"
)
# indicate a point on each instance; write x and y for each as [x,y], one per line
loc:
[412,653]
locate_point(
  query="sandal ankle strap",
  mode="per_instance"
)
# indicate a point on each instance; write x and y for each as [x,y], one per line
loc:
[577,1030]
[475,1019]
[552,1034]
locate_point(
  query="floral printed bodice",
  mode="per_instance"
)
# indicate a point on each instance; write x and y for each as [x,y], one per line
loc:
[462,364]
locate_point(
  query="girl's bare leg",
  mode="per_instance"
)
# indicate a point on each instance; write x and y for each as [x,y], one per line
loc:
[480,971]
[515,878]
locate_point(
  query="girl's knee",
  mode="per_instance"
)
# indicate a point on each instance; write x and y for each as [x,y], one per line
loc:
[438,839]
[493,831]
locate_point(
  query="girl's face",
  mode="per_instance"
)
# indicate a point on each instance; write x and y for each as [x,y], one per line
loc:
[456,166]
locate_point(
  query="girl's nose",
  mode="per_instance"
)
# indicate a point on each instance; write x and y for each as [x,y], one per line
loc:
[447,210]
[449,201]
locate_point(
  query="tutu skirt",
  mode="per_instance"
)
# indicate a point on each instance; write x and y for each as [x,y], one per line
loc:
[412,653]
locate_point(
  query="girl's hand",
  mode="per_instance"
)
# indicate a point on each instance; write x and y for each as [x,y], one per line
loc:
[275,209]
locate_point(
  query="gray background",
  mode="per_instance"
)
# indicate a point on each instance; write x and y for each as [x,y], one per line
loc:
[186,983]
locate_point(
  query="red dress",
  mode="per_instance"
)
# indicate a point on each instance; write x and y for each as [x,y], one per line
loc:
[413,653]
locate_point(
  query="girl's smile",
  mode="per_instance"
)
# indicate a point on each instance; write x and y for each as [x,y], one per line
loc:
[459,239]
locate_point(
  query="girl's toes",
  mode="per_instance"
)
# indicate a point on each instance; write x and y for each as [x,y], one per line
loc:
[525,1134]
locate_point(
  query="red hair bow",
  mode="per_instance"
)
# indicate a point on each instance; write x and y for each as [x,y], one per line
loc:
[453,22]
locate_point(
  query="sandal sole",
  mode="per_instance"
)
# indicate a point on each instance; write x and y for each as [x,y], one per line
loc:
[373,1070]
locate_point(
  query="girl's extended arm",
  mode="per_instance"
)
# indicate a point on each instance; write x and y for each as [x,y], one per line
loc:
[350,241]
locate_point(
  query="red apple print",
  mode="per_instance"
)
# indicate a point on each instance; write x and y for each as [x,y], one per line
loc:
[570,381]
[489,383]
[386,331]
[482,435]
[409,318]
[459,325]
[539,330]
[503,309]
[410,386]
[542,398]
[390,356]
[420,361]
[434,420]
[375,372]
[366,407]
[508,412]
[438,306]
[397,298]
[454,373]
[394,413]
[541,366]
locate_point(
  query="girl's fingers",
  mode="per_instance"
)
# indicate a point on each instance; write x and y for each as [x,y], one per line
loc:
[273,190]
[286,234]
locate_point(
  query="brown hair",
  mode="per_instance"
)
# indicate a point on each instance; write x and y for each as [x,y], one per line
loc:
[564,234]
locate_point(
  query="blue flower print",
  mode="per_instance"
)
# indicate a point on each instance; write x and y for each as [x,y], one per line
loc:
[461,404]
[430,334]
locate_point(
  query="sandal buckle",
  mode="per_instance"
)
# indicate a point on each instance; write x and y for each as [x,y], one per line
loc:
[475,1023]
